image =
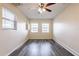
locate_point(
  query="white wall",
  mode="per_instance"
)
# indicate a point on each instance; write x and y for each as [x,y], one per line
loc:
[39,34]
[0,15]
[66,28]
[12,39]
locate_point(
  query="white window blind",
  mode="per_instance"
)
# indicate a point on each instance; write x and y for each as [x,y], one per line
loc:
[45,27]
[8,21]
[34,27]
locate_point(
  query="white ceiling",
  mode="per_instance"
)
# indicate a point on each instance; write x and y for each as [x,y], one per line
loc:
[30,10]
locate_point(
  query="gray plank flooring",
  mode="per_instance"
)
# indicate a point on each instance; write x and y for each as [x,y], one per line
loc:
[39,47]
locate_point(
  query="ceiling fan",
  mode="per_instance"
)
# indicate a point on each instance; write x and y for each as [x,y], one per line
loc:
[41,6]
[44,7]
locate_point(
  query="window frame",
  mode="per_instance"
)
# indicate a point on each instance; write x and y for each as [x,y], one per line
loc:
[7,19]
[31,28]
[46,29]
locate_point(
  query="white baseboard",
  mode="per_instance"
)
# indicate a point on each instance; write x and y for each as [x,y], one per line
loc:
[67,47]
[16,48]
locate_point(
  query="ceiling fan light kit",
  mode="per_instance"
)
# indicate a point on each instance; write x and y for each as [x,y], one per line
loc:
[41,10]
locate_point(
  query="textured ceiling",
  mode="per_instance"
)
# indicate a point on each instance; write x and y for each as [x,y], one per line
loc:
[30,10]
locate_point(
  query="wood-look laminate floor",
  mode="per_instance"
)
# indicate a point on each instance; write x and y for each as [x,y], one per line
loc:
[41,48]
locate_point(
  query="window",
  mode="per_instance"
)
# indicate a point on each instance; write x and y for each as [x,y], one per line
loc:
[34,27]
[45,27]
[8,19]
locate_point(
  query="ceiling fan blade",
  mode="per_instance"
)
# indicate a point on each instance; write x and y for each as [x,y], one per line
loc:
[49,4]
[48,10]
